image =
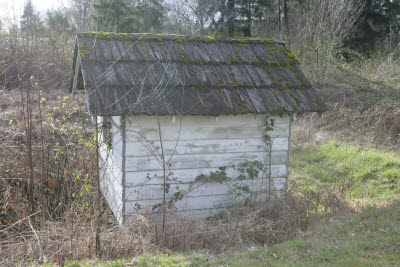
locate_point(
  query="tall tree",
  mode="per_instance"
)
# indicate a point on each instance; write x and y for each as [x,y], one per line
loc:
[81,12]
[113,16]
[58,22]
[30,20]
[286,15]
[59,31]
[250,12]
[128,16]
[190,16]
[231,17]
[149,14]
[378,19]
[392,11]
[31,25]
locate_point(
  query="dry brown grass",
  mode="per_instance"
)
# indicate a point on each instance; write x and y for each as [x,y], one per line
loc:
[377,126]
[61,241]
[278,220]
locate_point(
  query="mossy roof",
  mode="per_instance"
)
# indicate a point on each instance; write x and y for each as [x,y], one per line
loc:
[172,74]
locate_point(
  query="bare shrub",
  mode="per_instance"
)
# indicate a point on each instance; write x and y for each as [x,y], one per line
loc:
[369,122]
[59,243]
[272,222]
[63,170]
[307,130]
[321,198]
[277,220]
[318,29]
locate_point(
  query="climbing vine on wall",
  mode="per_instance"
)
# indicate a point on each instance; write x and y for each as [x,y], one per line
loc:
[240,191]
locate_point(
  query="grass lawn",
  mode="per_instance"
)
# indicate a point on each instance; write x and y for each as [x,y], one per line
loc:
[360,174]
[369,236]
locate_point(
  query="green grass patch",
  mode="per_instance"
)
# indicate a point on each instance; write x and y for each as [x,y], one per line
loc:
[353,170]
[146,260]
[368,238]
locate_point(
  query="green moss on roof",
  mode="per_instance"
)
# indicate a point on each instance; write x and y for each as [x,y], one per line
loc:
[224,76]
[177,38]
[104,36]
[203,88]
[292,58]
[264,41]
[84,50]
[221,91]
[181,41]
[84,53]
[160,41]
[235,78]
[267,41]
[296,98]
[210,39]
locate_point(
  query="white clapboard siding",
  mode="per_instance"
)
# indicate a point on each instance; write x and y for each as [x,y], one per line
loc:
[112,193]
[112,174]
[199,214]
[112,190]
[192,145]
[202,132]
[248,119]
[190,203]
[151,163]
[189,175]
[115,152]
[114,170]
[192,212]
[138,149]
[202,189]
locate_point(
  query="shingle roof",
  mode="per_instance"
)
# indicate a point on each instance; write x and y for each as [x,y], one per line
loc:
[170,74]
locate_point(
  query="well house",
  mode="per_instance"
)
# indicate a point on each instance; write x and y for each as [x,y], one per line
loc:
[190,124]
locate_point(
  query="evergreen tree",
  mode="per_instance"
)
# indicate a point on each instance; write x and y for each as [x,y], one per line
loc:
[378,19]
[392,11]
[129,16]
[113,16]
[58,35]
[58,22]
[30,20]
[150,14]
[231,14]
[238,16]
[31,26]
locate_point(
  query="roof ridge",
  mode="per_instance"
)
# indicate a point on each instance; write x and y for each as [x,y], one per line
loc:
[177,37]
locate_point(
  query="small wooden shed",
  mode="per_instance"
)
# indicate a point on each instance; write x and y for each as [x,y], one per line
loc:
[205,121]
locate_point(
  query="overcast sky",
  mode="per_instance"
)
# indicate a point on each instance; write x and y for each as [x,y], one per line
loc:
[12,9]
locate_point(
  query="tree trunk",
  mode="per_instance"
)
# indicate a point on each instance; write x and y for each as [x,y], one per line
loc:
[279,16]
[248,22]
[231,17]
[286,16]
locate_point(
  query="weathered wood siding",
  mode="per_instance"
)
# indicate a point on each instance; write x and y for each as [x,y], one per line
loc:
[112,163]
[195,145]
